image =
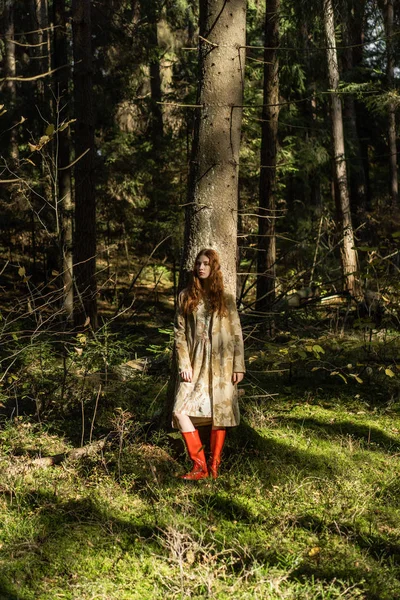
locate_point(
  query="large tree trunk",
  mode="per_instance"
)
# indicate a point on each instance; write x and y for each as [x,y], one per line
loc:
[11,88]
[211,215]
[85,201]
[62,102]
[394,182]
[349,254]
[266,259]
[358,185]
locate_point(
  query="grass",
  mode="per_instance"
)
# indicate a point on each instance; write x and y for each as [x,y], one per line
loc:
[307,506]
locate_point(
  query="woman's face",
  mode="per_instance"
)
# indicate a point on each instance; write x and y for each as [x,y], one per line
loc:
[203,268]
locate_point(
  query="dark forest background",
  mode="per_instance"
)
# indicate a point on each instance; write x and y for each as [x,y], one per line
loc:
[96,156]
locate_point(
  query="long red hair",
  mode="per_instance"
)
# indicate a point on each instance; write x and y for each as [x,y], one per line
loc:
[215,288]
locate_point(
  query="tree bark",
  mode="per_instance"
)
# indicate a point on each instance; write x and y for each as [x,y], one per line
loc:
[358,184]
[150,13]
[390,57]
[211,214]
[41,55]
[11,87]
[266,259]
[64,185]
[349,254]
[85,202]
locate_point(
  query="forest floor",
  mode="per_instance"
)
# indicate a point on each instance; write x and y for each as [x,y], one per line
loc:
[308,502]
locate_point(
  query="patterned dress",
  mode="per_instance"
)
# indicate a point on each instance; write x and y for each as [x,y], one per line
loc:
[212,347]
[194,399]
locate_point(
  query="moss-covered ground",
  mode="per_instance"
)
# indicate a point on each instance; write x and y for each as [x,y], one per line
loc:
[307,506]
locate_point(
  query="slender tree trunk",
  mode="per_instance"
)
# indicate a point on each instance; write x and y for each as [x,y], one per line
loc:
[64,185]
[358,185]
[85,201]
[269,146]
[40,61]
[10,86]
[310,109]
[349,254]
[211,215]
[150,13]
[41,54]
[394,181]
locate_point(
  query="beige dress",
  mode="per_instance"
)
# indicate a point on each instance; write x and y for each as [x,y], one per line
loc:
[213,347]
[194,399]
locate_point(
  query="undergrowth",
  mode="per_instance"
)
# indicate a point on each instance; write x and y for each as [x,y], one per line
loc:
[307,505]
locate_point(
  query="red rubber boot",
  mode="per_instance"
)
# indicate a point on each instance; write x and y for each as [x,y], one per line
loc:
[217,443]
[196,453]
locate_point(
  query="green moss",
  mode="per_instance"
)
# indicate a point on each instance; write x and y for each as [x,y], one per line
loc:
[306,507]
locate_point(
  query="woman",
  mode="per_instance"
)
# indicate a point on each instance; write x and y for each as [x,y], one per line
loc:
[209,348]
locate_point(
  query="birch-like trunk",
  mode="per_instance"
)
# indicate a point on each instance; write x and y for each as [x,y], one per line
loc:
[10,86]
[349,254]
[211,214]
[266,259]
[62,101]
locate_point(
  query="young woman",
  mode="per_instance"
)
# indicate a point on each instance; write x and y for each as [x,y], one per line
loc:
[209,347]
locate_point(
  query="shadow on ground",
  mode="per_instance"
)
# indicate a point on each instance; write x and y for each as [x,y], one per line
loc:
[374,439]
[64,530]
[377,546]
[8,592]
[67,527]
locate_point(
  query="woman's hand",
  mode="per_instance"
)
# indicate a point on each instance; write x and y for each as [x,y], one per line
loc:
[237,378]
[187,375]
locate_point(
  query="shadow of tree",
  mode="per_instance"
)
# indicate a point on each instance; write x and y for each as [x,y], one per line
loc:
[272,460]
[267,457]
[60,521]
[224,507]
[381,550]
[59,525]
[390,494]
[8,592]
[378,547]
[372,436]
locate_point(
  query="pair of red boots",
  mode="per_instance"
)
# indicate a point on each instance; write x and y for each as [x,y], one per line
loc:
[196,453]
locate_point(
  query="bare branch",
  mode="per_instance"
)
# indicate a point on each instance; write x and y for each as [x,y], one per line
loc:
[35,77]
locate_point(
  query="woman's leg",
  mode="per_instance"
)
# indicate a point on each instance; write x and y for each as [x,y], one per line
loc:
[194,447]
[184,422]
[217,443]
